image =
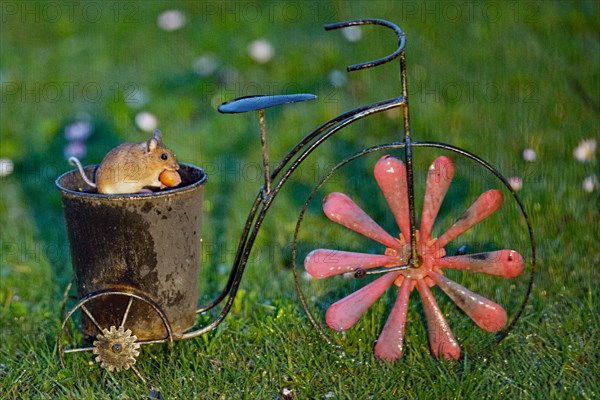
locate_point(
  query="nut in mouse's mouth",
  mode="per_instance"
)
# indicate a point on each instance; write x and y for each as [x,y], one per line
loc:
[169,178]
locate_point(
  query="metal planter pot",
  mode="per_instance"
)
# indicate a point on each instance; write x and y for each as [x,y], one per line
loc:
[144,244]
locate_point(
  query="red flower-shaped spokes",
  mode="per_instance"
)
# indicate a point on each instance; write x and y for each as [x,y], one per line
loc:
[390,174]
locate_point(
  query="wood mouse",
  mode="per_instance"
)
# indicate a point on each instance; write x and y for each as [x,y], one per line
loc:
[135,168]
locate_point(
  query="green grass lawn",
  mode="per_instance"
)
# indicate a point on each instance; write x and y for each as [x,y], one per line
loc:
[494,78]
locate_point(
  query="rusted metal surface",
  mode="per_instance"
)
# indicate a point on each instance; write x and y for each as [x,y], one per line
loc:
[140,243]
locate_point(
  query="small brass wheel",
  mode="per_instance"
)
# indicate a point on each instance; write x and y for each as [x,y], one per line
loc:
[116,347]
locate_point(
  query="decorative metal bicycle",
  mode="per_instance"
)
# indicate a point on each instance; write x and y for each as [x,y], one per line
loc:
[134,289]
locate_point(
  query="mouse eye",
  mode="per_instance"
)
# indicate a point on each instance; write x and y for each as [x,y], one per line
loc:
[164,156]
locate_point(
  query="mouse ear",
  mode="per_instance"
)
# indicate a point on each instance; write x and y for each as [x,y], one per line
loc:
[155,141]
[151,145]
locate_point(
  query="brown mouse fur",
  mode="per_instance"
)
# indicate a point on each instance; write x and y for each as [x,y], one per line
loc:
[133,167]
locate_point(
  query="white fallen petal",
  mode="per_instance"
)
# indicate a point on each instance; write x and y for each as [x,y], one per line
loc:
[337,78]
[529,155]
[146,121]
[6,167]
[590,183]
[171,20]
[261,50]
[206,64]
[515,182]
[75,149]
[78,130]
[352,33]
[585,151]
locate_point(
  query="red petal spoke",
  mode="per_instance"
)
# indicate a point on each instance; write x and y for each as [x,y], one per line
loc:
[441,340]
[344,313]
[439,178]
[322,263]
[485,313]
[389,346]
[483,207]
[504,263]
[390,174]
[341,209]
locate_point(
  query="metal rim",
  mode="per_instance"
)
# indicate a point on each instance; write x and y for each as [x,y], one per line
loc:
[133,196]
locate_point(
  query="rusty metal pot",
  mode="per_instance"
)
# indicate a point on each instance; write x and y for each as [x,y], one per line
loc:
[145,244]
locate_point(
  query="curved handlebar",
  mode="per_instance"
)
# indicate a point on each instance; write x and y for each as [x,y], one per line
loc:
[373,21]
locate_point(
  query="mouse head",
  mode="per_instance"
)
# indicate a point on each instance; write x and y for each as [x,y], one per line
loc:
[160,154]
